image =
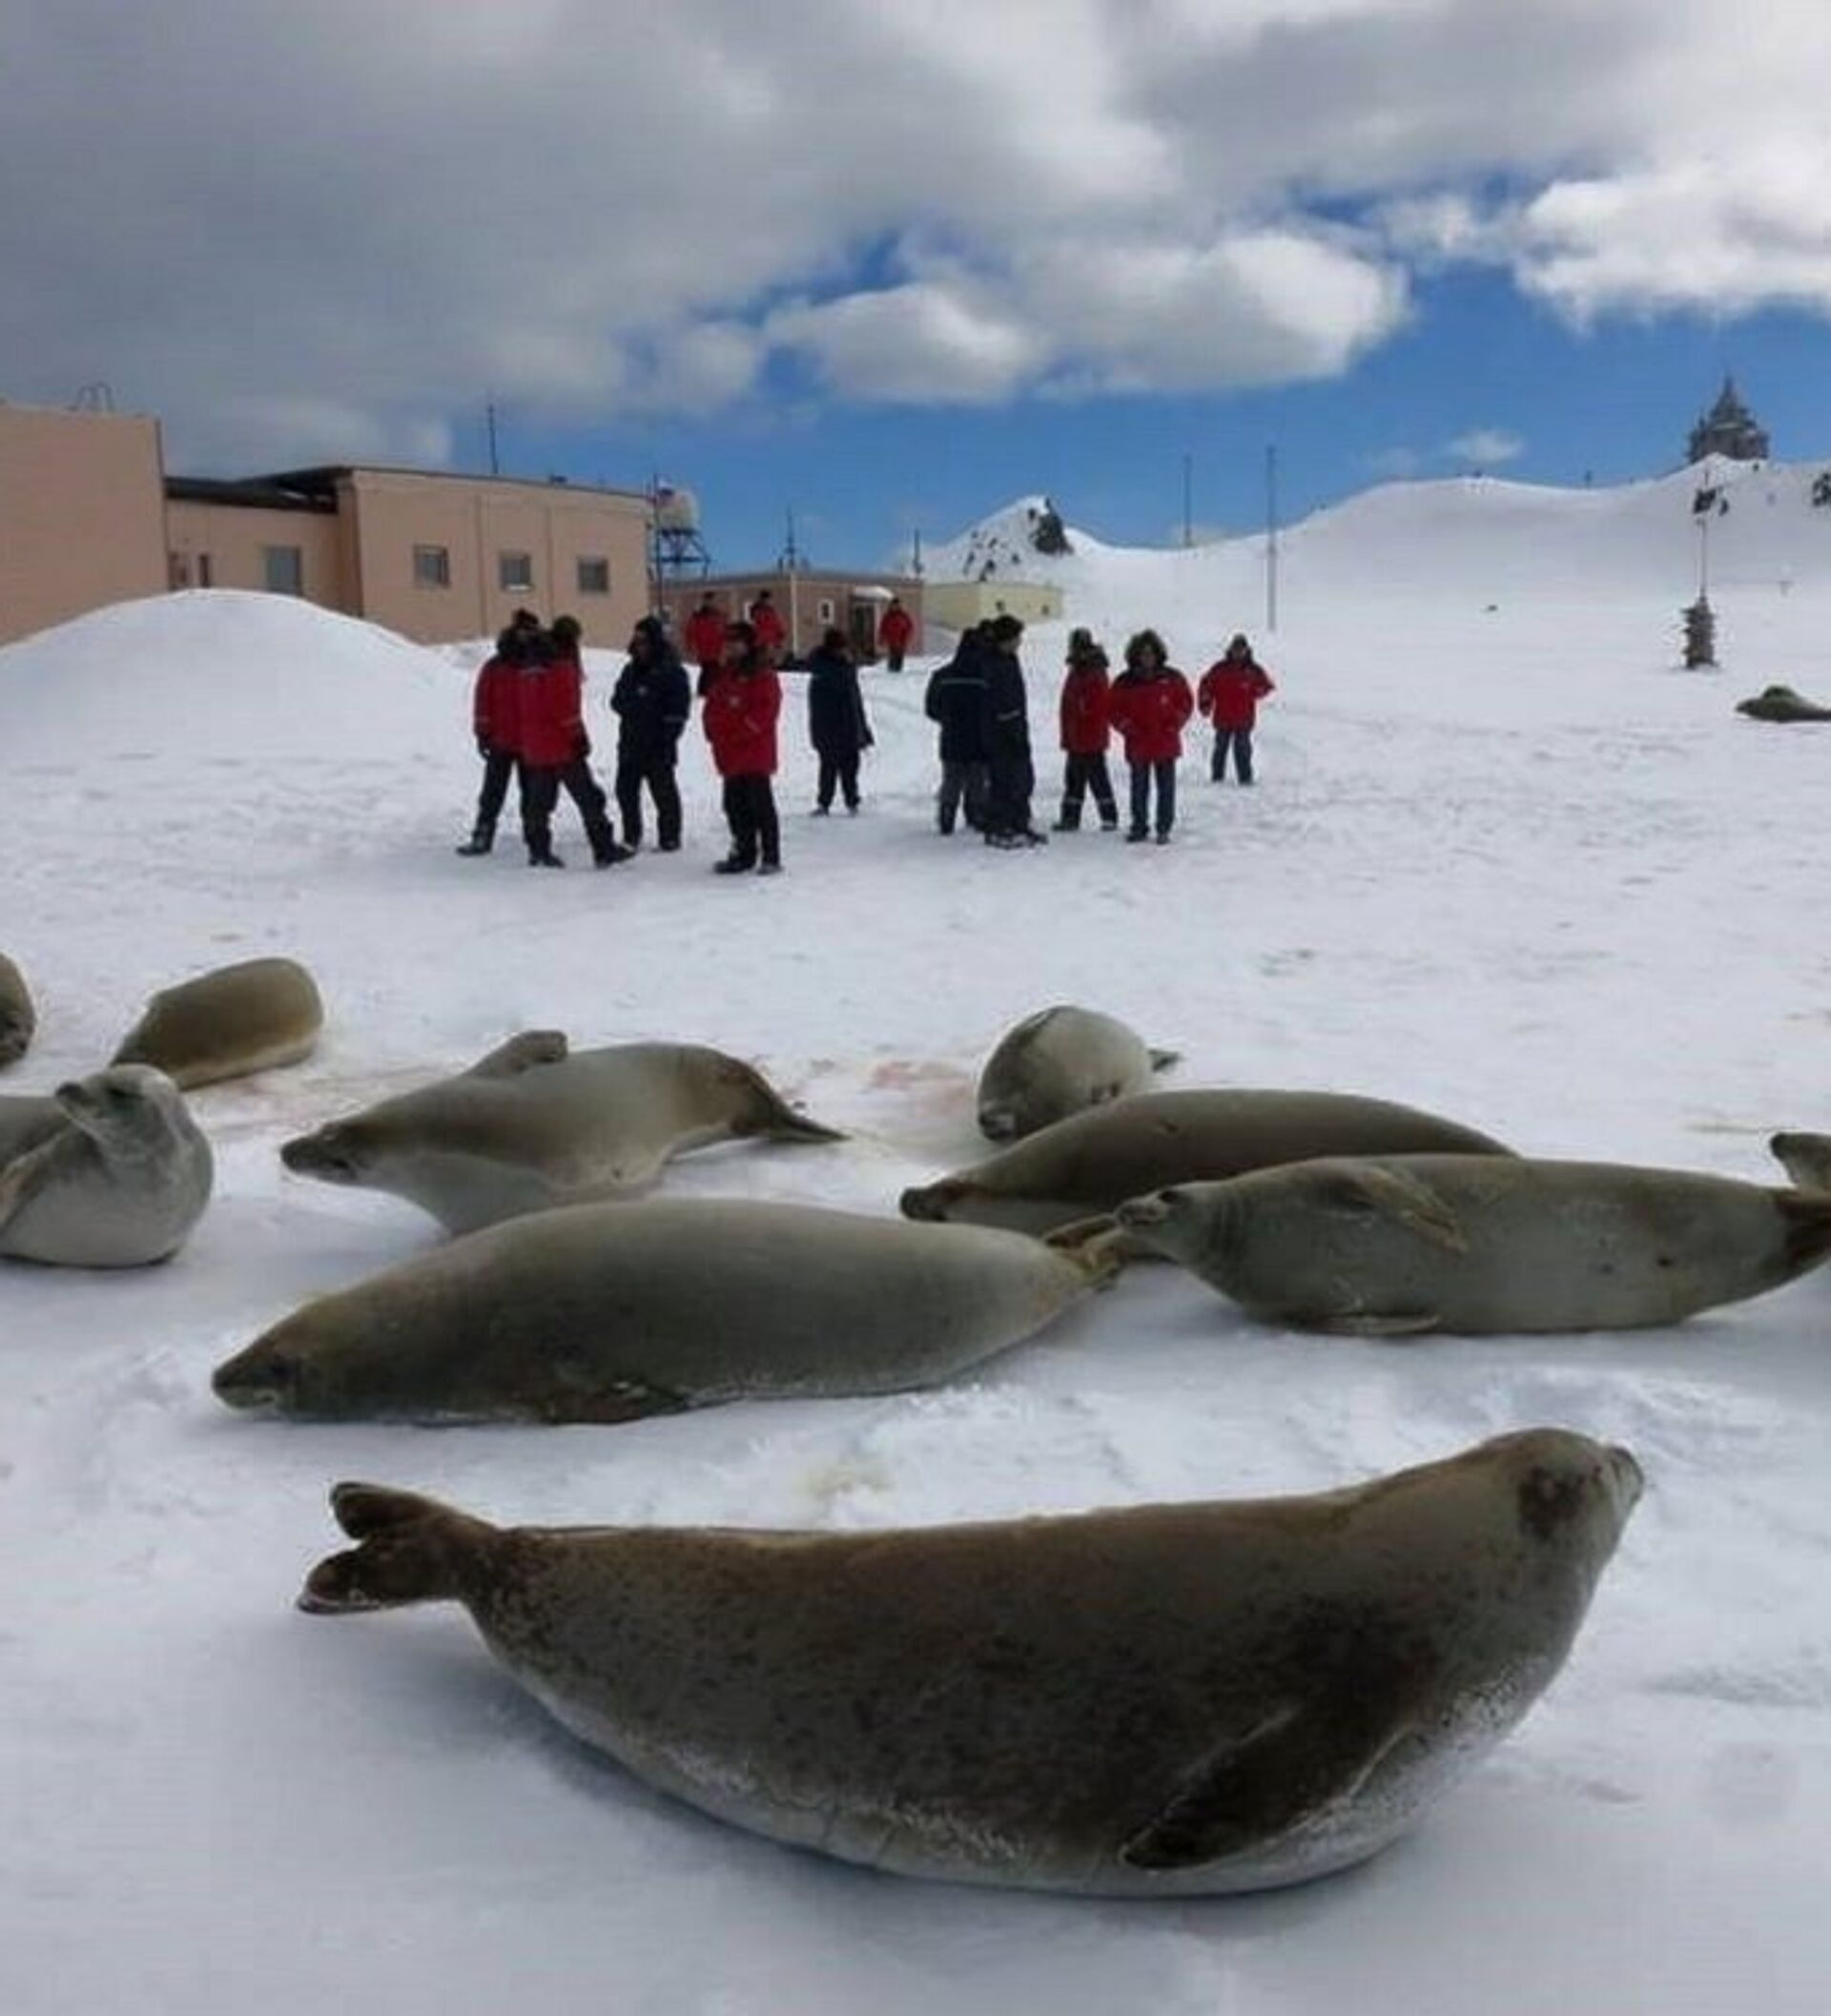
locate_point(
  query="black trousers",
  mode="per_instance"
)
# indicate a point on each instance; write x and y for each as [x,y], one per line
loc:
[894,660]
[961,784]
[1142,776]
[499,767]
[1010,781]
[541,793]
[749,808]
[1083,774]
[657,773]
[1242,740]
[842,771]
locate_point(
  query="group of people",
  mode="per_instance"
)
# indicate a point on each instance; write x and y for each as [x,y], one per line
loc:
[978,700]
[529,709]
[528,715]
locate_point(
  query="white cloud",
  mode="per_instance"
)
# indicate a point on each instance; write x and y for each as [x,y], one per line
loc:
[359,222]
[1485,446]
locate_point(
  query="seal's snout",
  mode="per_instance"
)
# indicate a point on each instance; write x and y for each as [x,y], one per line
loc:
[929,1204]
[1139,1214]
[258,1378]
[998,1122]
[1629,1479]
[313,1155]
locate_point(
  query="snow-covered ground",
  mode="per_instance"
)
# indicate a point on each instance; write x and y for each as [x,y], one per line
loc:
[1503,861]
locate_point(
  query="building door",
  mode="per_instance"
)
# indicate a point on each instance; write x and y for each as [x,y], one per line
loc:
[862,624]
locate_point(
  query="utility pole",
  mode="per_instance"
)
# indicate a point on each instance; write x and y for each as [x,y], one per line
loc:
[1271,537]
[489,425]
[1188,525]
[916,554]
[791,562]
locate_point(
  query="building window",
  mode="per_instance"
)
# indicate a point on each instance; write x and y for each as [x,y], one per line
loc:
[432,566]
[206,573]
[825,612]
[515,573]
[594,574]
[283,570]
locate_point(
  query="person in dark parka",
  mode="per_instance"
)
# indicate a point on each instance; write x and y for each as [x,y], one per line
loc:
[1010,776]
[652,702]
[836,723]
[956,703]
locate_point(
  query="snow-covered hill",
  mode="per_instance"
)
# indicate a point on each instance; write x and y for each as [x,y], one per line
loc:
[1505,862]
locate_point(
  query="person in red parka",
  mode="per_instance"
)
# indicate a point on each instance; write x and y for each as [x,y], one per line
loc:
[704,640]
[772,633]
[1229,695]
[896,627]
[496,717]
[555,749]
[1151,701]
[741,708]
[1087,730]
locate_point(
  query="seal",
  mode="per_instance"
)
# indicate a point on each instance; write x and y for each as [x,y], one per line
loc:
[1781,703]
[611,1311]
[227,1023]
[1164,1700]
[120,1184]
[1089,1165]
[1806,1158]
[1060,1062]
[18,1018]
[1475,1245]
[530,1127]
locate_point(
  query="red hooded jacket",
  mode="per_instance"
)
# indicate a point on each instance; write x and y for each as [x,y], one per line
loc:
[1231,691]
[1086,708]
[705,636]
[495,705]
[772,632]
[740,715]
[897,627]
[551,698]
[1149,714]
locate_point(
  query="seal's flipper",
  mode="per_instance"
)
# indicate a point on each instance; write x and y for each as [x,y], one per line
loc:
[1162,1060]
[1101,1242]
[1301,1759]
[1371,1189]
[26,1175]
[773,1119]
[412,1550]
[521,1053]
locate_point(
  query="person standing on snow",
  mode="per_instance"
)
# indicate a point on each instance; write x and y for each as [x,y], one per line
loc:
[772,632]
[651,702]
[1229,695]
[895,628]
[704,640]
[1151,701]
[496,716]
[956,703]
[836,723]
[741,708]
[1087,730]
[555,749]
[1011,777]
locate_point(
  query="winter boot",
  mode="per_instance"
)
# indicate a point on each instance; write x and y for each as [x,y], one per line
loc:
[768,868]
[1070,820]
[1137,832]
[481,839]
[732,865]
[546,860]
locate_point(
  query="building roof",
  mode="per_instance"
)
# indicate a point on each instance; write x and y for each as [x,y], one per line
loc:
[315,489]
[769,577]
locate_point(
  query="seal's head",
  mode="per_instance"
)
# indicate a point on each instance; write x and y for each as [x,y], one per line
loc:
[338,1152]
[1806,1158]
[15,1032]
[931,1203]
[128,1109]
[1175,1221]
[1569,1494]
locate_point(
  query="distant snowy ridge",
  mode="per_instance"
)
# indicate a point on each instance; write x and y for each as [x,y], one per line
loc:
[1767,524]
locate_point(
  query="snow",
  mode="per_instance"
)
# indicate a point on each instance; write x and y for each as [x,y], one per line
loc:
[1505,862]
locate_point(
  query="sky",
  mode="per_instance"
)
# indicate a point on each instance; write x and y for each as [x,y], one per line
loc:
[888,263]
